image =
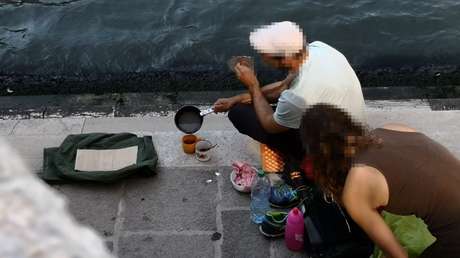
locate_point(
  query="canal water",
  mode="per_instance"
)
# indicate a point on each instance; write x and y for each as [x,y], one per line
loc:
[47,38]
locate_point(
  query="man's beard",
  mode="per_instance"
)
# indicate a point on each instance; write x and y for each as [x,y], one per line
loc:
[284,69]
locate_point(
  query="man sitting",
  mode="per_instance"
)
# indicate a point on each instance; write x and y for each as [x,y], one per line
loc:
[317,73]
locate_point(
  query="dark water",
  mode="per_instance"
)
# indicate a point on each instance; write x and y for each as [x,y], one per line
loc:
[98,37]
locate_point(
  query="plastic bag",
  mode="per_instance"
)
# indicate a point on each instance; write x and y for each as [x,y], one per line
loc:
[411,232]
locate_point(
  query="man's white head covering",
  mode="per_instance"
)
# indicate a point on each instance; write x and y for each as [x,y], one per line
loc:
[280,39]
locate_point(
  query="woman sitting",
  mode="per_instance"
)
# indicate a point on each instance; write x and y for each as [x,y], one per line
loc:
[394,168]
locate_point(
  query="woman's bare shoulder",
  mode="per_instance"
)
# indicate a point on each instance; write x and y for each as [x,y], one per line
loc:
[366,182]
[399,127]
[360,175]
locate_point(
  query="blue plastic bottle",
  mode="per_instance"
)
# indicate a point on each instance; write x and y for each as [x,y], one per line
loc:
[260,192]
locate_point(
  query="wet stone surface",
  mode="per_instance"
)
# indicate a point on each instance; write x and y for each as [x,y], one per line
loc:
[241,236]
[174,199]
[140,246]
[95,205]
[231,197]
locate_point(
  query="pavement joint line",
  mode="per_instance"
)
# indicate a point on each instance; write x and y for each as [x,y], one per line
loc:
[128,233]
[83,126]
[272,249]
[14,127]
[66,128]
[118,226]
[237,208]
[219,223]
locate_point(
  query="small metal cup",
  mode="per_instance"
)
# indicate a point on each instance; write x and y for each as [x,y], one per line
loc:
[202,150]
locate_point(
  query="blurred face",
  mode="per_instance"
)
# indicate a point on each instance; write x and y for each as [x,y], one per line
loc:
[274,61]
[284,63]
[350,146]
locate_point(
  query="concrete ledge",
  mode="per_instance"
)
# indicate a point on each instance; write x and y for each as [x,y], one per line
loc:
[134,104]
[31,136]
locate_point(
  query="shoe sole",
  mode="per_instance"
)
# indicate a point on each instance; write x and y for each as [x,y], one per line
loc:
[270,235]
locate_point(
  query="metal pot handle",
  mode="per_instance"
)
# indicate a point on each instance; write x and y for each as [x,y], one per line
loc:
[207,111]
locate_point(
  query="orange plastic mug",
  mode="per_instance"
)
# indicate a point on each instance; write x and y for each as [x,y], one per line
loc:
[188,143]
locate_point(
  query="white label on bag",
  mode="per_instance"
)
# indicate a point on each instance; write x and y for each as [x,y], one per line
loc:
[105,160]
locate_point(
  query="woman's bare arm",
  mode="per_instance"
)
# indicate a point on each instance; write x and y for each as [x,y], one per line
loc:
[362,195]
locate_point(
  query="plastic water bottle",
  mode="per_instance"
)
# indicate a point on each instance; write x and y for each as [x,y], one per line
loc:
[294,232]
[260,192]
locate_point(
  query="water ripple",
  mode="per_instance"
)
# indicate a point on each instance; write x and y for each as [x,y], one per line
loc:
[36,2]
[153,34]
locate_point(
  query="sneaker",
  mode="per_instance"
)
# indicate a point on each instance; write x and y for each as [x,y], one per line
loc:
[273,224]
[298,183]
[283,197]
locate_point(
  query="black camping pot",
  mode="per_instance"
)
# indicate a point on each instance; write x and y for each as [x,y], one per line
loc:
[189,119]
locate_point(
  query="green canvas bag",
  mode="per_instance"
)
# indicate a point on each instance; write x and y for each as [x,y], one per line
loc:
[59,163]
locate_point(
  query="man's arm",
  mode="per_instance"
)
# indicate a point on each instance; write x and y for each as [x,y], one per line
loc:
[271,92]
[265,112]
[263,109]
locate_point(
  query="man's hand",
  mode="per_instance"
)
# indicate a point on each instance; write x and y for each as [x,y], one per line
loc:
[247,76]
[224,104]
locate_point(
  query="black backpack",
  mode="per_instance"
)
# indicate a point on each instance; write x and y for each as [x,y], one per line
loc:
[329,230]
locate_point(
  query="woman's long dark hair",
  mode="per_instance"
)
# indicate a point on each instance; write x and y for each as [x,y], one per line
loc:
[332,137]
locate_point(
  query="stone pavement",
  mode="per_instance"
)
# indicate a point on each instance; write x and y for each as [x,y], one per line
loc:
[189,209]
